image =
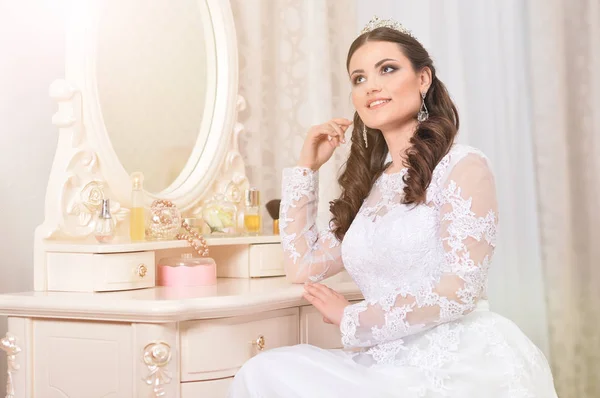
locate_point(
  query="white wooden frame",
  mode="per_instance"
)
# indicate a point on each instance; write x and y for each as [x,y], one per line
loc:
[87,169]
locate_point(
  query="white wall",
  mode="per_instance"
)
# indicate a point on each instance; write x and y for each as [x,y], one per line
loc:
[31,56]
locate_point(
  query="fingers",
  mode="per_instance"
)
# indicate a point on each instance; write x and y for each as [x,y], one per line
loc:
[334,130]
[317,302]
[327,321]
[341,121]
[327,130]
[316,294]
[319,291]
[322,292]
[336,127]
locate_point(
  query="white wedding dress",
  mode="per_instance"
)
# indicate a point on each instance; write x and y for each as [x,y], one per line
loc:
[424,328]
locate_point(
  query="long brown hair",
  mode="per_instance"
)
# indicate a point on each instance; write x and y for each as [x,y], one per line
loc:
[428,145]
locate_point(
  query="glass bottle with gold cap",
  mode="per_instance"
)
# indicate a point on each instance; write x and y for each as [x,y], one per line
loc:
[252,217]
[137,218]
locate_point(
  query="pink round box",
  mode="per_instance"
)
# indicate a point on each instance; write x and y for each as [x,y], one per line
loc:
[187,271]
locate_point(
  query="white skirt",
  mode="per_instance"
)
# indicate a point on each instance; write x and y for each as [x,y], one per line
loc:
[481,355]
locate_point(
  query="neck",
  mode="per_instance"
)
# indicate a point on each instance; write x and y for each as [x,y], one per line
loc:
[398,141]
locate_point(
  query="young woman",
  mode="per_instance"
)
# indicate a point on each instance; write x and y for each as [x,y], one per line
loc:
[416,234]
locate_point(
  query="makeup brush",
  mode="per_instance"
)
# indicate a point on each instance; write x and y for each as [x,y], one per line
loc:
[273,209]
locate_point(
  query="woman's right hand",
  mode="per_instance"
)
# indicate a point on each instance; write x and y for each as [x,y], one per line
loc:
[321,142]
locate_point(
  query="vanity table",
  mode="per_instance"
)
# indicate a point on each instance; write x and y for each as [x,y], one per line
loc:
[184,342]
[150,87]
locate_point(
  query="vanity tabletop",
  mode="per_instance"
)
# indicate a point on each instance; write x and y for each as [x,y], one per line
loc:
[229,297]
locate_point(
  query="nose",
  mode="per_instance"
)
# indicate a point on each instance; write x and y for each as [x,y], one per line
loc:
[373,87]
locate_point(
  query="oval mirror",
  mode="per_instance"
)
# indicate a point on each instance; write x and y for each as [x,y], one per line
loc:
[155,66]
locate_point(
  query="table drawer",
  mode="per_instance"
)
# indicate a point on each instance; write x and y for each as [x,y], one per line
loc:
[124,270]
[217,348]
[89,272]
[266,260]
[249,261]
[209,389]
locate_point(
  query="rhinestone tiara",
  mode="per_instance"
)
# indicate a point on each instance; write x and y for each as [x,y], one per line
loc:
[375,23]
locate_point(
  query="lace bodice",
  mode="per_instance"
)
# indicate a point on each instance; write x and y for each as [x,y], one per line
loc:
[417,266]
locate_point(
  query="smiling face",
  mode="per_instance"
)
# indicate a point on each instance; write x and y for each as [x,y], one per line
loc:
[386,90]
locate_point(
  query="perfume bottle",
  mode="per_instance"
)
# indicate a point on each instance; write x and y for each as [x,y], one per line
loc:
[220,215]
[252,217]
[137,219]
[105,227]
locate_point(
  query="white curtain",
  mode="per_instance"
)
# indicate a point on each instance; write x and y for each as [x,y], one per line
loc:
[565,59]
[292,56]
[292,74]
[479,51]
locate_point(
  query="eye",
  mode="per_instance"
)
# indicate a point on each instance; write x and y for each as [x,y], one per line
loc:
[358,79]
[388,69]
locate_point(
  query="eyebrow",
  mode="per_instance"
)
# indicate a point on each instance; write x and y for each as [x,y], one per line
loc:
[376,65]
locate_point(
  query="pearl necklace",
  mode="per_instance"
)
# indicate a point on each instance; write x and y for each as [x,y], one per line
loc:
[196,241]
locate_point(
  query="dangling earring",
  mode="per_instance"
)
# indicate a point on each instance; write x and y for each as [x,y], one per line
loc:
[423,112]
[365,136]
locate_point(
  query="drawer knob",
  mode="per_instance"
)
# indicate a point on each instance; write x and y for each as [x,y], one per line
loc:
[142,270]
[260,343]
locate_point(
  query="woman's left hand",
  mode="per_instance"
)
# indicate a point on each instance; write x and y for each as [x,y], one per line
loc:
[330,303]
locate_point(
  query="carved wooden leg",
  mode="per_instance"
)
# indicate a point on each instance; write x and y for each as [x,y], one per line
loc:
[9,345]
[157,370]
[157,356]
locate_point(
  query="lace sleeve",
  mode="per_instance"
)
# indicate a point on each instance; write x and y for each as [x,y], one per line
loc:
[310,255]
[467,218]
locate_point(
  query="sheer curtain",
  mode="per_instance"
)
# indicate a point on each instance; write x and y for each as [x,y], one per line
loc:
[565,59]
[479,52]
[292,74]
[292,56]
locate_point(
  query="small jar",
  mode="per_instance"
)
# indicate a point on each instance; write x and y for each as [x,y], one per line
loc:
[220,215]
[187,270]
[163,221]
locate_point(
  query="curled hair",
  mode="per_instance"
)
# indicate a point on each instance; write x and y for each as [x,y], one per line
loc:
[429,144]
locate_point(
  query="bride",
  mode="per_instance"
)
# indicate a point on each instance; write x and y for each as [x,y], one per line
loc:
[417,236]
